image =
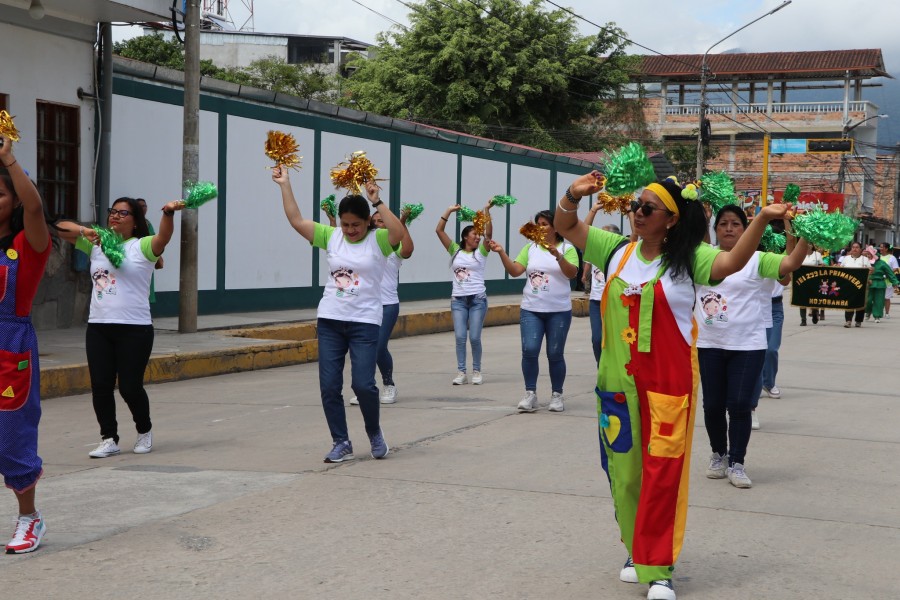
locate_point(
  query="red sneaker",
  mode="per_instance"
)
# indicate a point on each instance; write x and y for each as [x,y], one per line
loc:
[27,538]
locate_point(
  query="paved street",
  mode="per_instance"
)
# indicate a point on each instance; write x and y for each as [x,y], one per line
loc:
[474,501]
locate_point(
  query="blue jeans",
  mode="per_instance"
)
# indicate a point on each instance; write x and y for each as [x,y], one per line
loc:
[468,318]
[773,338]
[729,378]
[389,314]
[596,328]
[533,327]
[336,338]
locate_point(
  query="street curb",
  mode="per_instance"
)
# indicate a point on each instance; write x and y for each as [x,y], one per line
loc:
[280,345]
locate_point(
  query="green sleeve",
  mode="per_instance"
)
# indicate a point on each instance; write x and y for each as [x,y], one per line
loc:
[321,235]
[452,248]
[704,256]
[481,248]
[770,265]
[571,255]
[381,236]
[147,248]
[522,258]
[600,246]
[84,244]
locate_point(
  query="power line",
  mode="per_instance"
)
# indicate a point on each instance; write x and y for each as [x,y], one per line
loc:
[380,15]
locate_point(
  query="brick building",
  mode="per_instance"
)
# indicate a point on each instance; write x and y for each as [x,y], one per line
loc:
[792,97]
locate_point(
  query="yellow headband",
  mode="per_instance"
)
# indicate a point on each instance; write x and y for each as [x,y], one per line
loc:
[665,196]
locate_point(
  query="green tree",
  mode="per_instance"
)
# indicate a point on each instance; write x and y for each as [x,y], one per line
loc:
[270,73]
[152,49]
[497,67]
[683,156]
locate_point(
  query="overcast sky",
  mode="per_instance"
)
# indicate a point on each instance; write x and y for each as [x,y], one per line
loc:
[668,26]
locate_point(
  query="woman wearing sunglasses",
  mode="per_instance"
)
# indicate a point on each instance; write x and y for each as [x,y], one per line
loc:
[646,384]
[732,345]
[119,335]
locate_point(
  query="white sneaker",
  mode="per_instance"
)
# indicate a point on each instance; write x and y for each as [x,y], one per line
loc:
[529,402]
[661,590]
[477,378]
[144,443]
[773,392]
[628,574]
[354,400]
[27,537]
[556,403]
[754,420]
[389,394]
[460,378]
[738,477]
[718,465]
[107,447]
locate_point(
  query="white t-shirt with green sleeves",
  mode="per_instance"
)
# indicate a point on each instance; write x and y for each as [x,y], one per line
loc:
[638,271]
[467,270]
[732,315]
[355,271]
[121,294]
[547,289]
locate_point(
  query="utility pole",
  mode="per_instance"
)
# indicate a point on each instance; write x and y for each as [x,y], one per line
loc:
[764,191]
[190,169]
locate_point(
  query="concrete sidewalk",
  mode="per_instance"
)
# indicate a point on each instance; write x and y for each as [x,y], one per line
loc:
[235,342]
[474,501]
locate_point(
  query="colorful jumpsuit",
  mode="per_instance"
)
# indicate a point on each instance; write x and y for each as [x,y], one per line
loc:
[646,397]
[20,382]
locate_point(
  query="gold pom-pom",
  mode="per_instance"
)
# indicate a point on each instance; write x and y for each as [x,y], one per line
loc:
[535,233]
[282,148]
[480,221]
[354,172]
[7,127]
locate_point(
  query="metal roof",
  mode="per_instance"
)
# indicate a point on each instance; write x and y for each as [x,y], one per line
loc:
[141,70]
[821,65]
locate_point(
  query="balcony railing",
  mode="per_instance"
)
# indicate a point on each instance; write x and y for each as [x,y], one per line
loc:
[777,108]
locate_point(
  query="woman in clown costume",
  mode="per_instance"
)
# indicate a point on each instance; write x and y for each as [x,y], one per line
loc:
[648,376]
[24,250]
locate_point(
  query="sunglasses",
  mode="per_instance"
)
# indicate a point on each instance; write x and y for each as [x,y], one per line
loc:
[121,213]
[646,209]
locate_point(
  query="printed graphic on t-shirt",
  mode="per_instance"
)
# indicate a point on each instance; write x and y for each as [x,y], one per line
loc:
[540,281]
[462,275]
[104,283]
[714,307]
[346,282]
[599,276]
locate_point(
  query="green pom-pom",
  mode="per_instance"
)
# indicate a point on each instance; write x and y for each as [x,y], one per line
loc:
[412,211]
[628,169]
[773,242]
[199,193]
[500,200]
[717,188]
[830,231]
[465,214]
[112,245]
[791,193]
[329,207]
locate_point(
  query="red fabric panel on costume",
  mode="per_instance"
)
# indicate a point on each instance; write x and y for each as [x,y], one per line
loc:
[31,269]
[666,370]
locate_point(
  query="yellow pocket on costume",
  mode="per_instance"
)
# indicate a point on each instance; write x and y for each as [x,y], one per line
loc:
[15,379]
[668,424]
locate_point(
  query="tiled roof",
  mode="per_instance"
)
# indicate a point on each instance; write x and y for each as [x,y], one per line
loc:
[826,64]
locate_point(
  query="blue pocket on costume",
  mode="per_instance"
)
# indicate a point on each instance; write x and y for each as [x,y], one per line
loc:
[615,421]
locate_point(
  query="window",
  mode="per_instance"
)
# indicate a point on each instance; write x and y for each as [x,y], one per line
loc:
[4,102]
[57,158]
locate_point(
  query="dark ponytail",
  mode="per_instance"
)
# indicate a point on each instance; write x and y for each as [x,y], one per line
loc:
[683,238]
